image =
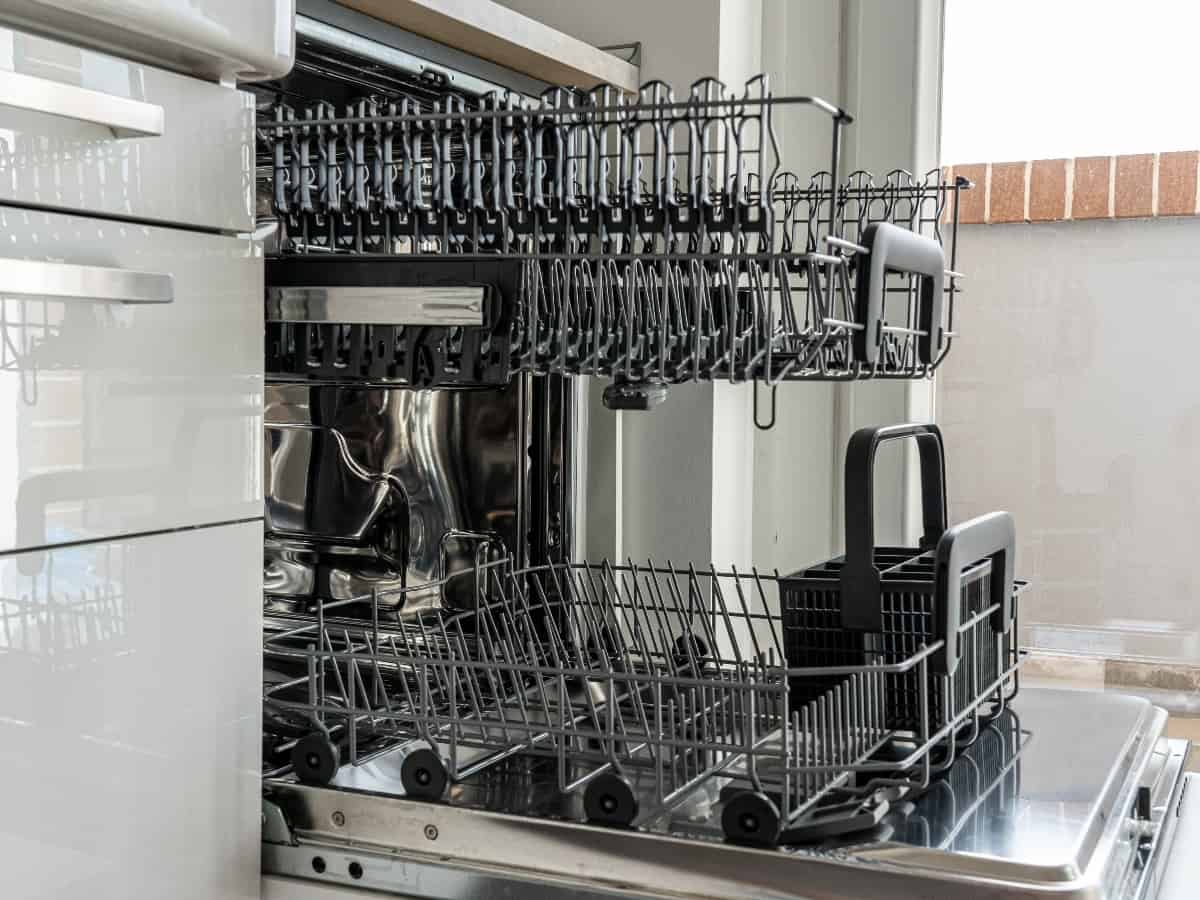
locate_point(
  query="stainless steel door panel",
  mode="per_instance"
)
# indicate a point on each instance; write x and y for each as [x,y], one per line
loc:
[1180,870]
[81,130]
[1054,820]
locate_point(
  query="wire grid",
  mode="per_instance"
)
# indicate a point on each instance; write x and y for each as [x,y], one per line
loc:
[402,173]
[660,675]
[657,240]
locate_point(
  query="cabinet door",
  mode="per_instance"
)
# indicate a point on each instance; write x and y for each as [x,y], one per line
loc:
[120,417]
[84,131]
[130,718]
[217,39]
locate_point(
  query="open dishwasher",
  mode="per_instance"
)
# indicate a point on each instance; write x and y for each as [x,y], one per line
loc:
[457,705]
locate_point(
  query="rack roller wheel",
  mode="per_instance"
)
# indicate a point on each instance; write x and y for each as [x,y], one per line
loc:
[609,800]
[751,818]
[423,773]
[315,758]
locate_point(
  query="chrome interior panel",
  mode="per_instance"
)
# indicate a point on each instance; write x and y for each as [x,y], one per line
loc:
[363,485]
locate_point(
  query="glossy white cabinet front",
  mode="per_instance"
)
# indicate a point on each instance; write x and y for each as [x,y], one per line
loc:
[197,170]
[243,39]
[130,724]
[120,418]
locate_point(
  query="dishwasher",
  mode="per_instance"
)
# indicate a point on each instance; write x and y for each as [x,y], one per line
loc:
[455,703]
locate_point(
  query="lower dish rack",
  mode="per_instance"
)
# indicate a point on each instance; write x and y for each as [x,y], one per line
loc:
[642,682]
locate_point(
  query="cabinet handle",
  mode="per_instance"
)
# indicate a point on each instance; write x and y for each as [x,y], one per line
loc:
[124,117]
[63,281]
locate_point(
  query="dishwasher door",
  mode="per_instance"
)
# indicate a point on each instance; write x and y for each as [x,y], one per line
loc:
[1065,795]
[1180,872]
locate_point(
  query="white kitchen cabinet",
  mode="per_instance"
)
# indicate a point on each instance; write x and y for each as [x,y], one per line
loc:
[123,417]
[70,121]
[130,718]
[215,39]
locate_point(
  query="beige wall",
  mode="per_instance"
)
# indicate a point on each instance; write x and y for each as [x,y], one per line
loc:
[1071,400]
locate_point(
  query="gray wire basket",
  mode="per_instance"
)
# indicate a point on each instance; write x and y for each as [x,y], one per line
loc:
[643,682]
[648,240]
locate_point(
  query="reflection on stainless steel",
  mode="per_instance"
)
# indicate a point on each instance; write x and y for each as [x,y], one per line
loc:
[363,485]
[1061,827]
[389,305]
[959,810]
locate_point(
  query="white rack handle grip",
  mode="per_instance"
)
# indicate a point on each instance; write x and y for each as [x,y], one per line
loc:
[64,281]
[891,248]
[125,118]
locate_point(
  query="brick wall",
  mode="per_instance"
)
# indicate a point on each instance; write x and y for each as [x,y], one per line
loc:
[1090,187]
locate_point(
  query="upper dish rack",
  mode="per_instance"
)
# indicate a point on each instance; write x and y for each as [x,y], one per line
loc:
[647,239]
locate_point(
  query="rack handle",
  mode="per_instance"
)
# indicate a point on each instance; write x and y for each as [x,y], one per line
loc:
[891,248]
[992,536]
[861,580]
[124,117]
[64,281]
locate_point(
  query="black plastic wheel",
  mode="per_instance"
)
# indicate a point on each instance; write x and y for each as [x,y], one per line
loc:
[423,774]
[609,800]
[315,758]
[751,818]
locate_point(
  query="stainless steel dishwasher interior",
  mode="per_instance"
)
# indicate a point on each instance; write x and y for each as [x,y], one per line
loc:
[374,491]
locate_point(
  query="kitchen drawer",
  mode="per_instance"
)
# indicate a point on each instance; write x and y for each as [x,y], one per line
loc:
[126,417]
[243,39]
[130,718]
[69,125]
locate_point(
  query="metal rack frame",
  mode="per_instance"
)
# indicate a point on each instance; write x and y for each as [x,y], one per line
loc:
[641,681]
[649,241]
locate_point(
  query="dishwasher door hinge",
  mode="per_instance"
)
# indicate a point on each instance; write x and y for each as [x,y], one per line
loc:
[275,826]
